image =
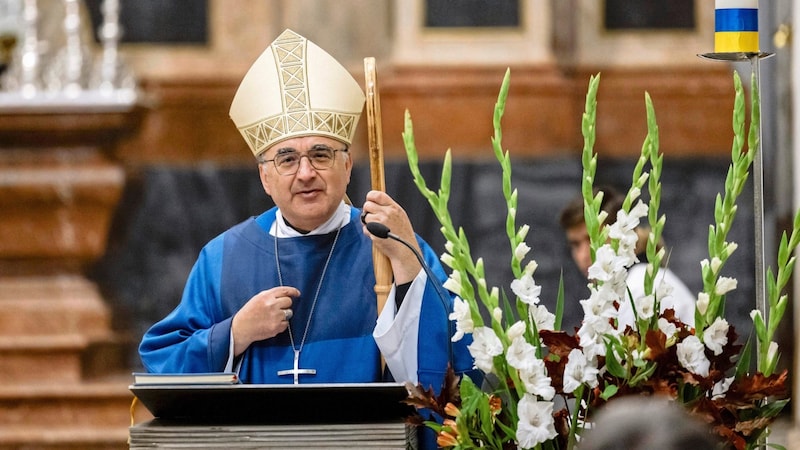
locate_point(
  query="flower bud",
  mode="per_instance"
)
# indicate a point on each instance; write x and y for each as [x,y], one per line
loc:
[497,314]
[716,263]
[521,250]
[725,285]
[447,259]
[702,302]
[531,267]
[516,330]
[772,352]
[453,283]
[730,248]
[523,232]
[452,410]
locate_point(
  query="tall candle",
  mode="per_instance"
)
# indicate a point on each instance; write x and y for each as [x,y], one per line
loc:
[736,26]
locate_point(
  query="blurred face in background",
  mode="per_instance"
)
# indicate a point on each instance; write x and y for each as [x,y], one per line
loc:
[580,247]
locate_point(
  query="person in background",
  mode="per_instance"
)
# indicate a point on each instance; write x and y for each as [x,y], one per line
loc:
[651,423]
[288,296]
[572,221]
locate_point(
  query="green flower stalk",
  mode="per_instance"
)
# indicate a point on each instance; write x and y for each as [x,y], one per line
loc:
[591,202]
[468,276]
[630,368]
[710,304]
[768,349]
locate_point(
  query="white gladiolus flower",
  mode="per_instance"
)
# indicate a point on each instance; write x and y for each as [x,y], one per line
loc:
[721,388]
[485,346]
[606,264]
[520,353]
[725,285]
[664,290]
[578,371]
[591,335]
[544,319]
[534,376]
[667,327]
[627,221]
[601,302]
[526,289]
[716,335]
[463,317]
[692,357]
[645,306]
[536,424]
[453,283]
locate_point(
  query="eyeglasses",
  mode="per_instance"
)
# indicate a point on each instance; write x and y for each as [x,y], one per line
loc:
[287,161]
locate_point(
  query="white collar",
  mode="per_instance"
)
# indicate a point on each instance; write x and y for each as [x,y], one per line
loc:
[340,218]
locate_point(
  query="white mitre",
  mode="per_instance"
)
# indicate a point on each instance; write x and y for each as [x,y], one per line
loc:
[296,89]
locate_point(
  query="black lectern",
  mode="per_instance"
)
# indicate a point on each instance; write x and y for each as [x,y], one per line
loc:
[246,416]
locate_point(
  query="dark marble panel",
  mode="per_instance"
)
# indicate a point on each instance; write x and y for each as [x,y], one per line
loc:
[652,14]
[158,21]
[472,13]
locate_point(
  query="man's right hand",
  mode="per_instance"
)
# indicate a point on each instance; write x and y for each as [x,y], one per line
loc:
[262,317]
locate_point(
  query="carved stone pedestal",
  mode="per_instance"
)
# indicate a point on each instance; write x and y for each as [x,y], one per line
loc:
[59,188]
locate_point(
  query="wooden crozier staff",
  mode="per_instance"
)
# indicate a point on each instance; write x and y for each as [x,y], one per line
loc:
[383,267]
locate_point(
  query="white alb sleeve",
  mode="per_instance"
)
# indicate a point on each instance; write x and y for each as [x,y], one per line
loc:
[397,331]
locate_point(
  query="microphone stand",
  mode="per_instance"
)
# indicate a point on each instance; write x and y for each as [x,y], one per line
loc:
[381,231]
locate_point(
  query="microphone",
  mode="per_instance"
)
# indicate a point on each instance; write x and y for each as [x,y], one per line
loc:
[381,231]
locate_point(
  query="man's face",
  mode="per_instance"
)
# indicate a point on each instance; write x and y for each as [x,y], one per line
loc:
[580,247]
[310,196]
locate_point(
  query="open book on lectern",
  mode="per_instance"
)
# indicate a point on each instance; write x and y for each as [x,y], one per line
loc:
[234,402]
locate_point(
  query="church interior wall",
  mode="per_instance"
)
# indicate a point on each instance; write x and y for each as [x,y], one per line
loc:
[446,73]
[179,173]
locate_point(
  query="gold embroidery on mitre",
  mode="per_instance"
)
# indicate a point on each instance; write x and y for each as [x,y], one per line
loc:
[297,116]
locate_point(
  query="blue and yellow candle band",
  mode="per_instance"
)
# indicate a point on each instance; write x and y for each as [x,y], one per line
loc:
[736,26]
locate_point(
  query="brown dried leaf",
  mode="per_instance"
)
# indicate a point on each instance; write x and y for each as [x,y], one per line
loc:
[558,342]
[656,341]
[755,387]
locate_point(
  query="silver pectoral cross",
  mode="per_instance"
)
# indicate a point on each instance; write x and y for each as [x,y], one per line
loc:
[297,371]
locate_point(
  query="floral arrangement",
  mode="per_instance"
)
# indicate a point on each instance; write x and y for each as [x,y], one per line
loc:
[527,361]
